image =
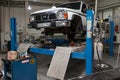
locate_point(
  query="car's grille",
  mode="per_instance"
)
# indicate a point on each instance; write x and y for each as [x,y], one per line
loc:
[52,16]
[45,17]
[38,18]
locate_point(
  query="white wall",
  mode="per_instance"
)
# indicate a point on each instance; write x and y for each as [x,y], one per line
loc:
[0,16]
[117,15]
[103,4]
[110,7]
[107,12]
[100,14]
[21,16]
[18,13]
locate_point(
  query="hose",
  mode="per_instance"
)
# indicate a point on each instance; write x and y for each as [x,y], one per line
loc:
[118,56]
[98,55]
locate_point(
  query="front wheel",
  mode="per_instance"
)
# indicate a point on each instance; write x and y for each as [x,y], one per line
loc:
[75,28]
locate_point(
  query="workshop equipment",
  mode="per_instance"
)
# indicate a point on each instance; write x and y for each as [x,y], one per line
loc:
[23,47]
[13,43]
[111,37]
[58,42]
[20,69]
[87,54]
[109,40]
[59,63]
[104,33]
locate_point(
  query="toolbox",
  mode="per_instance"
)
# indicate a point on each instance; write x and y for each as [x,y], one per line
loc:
[20,69]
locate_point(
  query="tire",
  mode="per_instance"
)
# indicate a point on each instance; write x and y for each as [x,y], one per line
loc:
[76,26]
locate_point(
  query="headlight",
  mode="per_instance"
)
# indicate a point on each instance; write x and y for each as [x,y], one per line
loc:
[32,18]
[61,14]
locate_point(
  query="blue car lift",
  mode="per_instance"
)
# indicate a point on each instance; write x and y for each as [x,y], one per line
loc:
[87,54]
[57,42]
[13,28]
[110,40]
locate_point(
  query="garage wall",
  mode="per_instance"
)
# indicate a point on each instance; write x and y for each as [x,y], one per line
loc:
[0,25]
[114,13]
[117,15]
[0,17]
[18,13]
[108,7]
[103,4]
[21,15]
[100,14]
[107,13]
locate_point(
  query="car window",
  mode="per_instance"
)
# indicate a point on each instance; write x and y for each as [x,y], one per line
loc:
[84,8]
[75,5]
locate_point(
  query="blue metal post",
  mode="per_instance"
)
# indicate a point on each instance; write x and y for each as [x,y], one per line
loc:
[111,37]
[89,52]
[13,34]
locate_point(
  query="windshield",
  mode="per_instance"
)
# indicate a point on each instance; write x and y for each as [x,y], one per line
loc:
[75,5]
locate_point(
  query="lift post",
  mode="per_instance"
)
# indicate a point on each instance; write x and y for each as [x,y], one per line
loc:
[110,40]
[13,43]
[111,37]
[89,46]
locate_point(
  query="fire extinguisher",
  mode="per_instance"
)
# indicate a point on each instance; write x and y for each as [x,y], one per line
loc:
[116,29]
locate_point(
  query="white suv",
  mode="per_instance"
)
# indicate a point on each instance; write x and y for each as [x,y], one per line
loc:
[68,18]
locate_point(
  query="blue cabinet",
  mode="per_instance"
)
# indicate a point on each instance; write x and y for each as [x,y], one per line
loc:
[25,69]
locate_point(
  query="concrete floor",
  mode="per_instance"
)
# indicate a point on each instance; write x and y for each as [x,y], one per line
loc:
[76,68]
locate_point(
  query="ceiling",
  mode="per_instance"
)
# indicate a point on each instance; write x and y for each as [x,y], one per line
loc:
[21,3]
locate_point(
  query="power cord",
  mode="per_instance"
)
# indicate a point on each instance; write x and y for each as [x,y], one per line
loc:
[98,55]
[118,56]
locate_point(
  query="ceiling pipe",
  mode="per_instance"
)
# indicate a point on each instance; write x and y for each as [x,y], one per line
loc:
[96,5]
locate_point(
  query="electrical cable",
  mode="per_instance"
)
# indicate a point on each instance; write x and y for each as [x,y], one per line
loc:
[98,55]
[118,56]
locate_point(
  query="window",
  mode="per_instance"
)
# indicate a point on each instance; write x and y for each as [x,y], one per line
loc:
[107,12]
[75,5]
[84,8]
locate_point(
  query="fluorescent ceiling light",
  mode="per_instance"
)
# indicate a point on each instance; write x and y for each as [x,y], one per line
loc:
[29,7]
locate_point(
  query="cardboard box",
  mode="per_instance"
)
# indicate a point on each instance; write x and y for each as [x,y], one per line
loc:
[12,55]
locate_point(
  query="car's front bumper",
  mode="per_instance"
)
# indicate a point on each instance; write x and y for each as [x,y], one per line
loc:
[64,23]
